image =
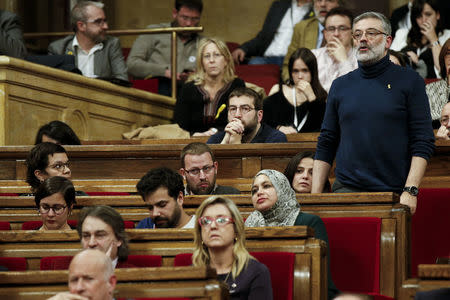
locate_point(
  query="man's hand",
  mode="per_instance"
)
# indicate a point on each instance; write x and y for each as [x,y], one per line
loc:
[238,55]
[443,133]
[287,129]
[428,30]
[233,132]
[67,296]
[409,200]
[336,50]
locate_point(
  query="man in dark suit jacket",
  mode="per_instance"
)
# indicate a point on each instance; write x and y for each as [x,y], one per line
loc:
[279,10]
[96,54]
[440,294]
[11,39]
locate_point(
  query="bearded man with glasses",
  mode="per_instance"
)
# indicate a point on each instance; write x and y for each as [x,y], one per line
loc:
[245,113]
[377,122]
[96,54]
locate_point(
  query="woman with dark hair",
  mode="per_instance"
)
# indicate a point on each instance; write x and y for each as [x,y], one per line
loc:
[54,199]
[299,105]
[399,58]
[201,104]
[275,204]
[219,239]
[299,172]
[57,132]
[423,41]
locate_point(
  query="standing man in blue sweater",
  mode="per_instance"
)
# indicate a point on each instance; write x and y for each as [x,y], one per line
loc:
[377,121]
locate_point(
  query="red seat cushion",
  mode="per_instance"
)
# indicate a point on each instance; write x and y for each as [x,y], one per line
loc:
[354,245]
[9,194]
[34,225]
[183,260]
[14,263]
[5,225]
[149,85]
[145,261]
[128,224]
[55,262]
[264,76]
[108,193]
[133,261]
[429,227]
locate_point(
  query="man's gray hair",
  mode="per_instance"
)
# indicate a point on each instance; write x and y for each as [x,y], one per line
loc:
[78,12]
[375,15]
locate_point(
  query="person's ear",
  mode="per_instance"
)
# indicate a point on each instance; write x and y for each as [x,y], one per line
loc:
[174,13]
[216,166]
[180,198]
[183,173]
[40,175]
[260,115]
[112,281]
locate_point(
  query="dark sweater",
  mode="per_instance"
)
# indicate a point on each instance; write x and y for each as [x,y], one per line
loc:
[278,111]
[377,118]
[189,109]
[265,134]
[320,232]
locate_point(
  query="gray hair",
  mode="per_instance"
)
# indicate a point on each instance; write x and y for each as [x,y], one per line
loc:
[78,12]
[375,15]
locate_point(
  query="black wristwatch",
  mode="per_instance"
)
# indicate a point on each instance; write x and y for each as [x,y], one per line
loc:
[413,190]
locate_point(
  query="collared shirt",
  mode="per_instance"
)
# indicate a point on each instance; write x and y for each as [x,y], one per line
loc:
[114,262]
[85,60]
[329,69]
[320,36]
[283,36]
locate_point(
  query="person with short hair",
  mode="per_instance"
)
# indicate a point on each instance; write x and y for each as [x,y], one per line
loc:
[275,204]
[219,241]
[91,276]
[245,113]
[299,105]
[46,160]
[102,227]
[201,104]
[398,58]
[162,190]
[443,132]
[96,54]
[377,122]
[199,168]
[57,132]
[11,36]
[54,199]
[150,54]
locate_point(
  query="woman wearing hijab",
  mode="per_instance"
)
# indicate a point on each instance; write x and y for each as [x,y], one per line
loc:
[276,205]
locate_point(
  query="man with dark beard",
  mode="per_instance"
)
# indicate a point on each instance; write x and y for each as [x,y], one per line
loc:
[96,54]
[244,121]
[377,122]
[150,55]
[163,192]
[199,168]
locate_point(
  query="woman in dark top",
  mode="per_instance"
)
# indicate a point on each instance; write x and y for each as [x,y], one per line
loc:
[201,104]
[219,241]
[422,43]
[299,105]
[276,205]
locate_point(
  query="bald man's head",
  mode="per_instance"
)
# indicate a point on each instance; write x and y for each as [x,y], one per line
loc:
[91,275]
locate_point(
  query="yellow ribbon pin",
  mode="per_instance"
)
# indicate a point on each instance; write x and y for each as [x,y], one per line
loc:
[221,108]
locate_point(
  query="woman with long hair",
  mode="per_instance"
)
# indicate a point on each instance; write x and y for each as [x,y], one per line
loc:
[298,105]
[275,204]
[219,241]
[201,104]
[422,43]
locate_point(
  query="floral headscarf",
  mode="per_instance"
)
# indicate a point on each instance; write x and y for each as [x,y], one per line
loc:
[284,212]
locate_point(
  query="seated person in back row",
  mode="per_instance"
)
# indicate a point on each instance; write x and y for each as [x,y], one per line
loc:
[57,132]
[443,132]
[199,168]
[244,121]
[96,54]
[163,192]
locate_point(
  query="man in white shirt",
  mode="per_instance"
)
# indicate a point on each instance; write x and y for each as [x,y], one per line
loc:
[96,54]
[337,57]
[162,190]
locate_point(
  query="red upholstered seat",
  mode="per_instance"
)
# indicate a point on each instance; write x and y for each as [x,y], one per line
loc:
[128,224]
[5,225]
[280,265]
[354,245]
[9,194]
[34,225]
[430,227]
[232,46]
[264,76]
[108,193]
[149,85]
[156,298]
[14,263]
[136,261]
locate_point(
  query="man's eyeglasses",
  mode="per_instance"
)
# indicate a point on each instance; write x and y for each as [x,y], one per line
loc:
[196,172]
[444,121]
[57,209]
[60,166]
[220,221]
[332,29]
[370,34]
[99,22]
[244,109]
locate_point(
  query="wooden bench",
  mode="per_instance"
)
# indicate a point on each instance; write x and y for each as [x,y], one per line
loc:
[431,277]
[310,261]
[189,282]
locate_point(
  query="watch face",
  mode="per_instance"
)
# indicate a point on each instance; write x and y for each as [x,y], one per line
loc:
[414,191]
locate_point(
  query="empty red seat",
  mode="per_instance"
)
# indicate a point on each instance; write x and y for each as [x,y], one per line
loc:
[14,263]
[34,225]
[149,85]
[264,76]
[55,262]
[136,261]
[108,193]
[5,225]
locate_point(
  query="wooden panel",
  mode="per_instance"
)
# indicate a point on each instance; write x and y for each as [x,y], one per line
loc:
[33,95]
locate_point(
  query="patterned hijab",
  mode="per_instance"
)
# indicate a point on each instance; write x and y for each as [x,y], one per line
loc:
[284,212]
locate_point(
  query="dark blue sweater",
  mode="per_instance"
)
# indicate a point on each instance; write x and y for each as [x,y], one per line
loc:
[377,118]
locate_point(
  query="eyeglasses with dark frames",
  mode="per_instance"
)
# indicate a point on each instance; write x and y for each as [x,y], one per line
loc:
[57,209]
[370,33]
[196,171]
[244,109]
